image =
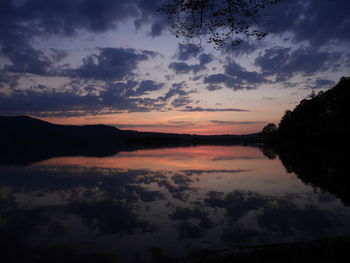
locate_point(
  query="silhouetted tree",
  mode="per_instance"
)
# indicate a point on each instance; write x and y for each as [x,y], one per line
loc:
[269,128]
[322,117]
[268,133]
[223,21]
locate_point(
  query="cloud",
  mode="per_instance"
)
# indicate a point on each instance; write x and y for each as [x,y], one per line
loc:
[149,15]
[8,80]
[244,48]
[321,84]
[58,54]
[205,59]
[200,109]
[157,125]
[181,101]
[220,79]
[76,99]
[112,63]
[188,52]
[236,78]
[22,21]
[213,87]
[181,67]
[285,62]
[235,122]
[25,59]
[177,89]
[148,86]
[184,68]
[179,93]
[319,22]
[241,75]
[40,100]
[69,16]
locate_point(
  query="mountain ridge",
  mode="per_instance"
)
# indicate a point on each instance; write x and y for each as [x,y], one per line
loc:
[28,130]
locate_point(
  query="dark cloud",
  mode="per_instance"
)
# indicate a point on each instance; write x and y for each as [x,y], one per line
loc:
[187,52]
[112,63]
[79,98]
[180,92]
[28,60]
[237,78]
[68,16]
[241,75]
[321,84]
[181,101]
[195,78]
[149,15]
[177,89]
[128,85]
[22,21]
[39,100]
[184,68]
[57,54]
[347,60]
[213,87]
[148,86]
[318,21]
[285,62]
[200,109]
[181,67]
[220,79]
[8,80]
[205,59]
[244,48]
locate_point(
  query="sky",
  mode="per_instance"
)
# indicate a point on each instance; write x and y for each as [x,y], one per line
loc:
[115,62]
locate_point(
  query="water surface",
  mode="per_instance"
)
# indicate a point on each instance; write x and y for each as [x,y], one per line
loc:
[158,205]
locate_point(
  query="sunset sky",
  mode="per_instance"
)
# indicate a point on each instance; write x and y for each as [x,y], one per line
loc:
[115,62]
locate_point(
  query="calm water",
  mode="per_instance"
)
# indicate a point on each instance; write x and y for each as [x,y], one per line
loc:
[152,205]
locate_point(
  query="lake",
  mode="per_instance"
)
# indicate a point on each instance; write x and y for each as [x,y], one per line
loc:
[159,205]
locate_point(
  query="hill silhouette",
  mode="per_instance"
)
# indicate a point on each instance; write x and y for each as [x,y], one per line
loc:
[28,130]
[24,129]
[26,140]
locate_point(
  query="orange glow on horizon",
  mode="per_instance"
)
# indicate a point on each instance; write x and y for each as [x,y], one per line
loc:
[185,123]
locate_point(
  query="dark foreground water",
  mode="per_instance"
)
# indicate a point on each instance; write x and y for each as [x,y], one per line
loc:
[158,206]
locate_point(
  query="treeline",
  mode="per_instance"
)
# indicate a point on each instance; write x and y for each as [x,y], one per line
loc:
[312,140]
[323,118]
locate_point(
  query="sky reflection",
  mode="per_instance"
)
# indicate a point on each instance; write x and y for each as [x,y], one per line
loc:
[136,206]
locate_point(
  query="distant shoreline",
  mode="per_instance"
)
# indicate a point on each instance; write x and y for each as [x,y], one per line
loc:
[26,140]
[24,130]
